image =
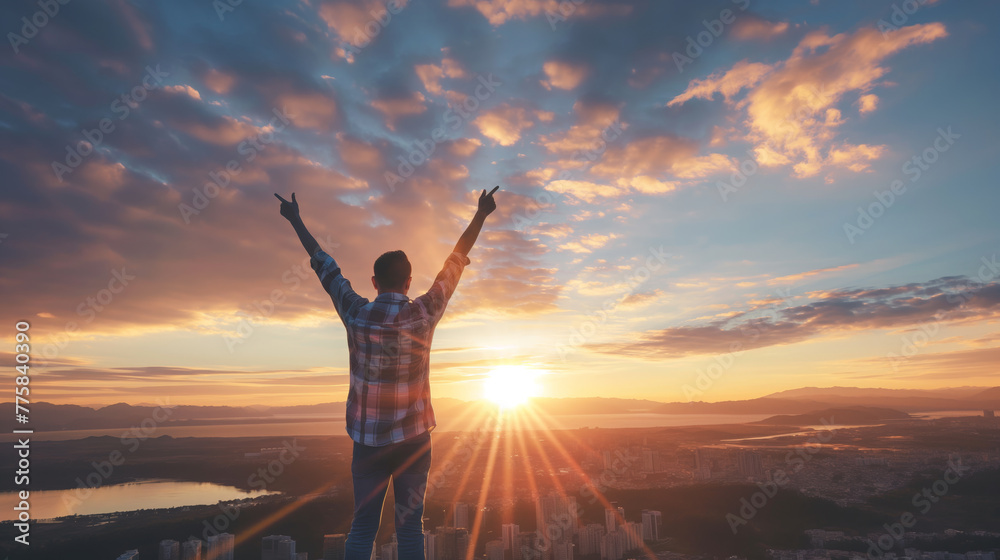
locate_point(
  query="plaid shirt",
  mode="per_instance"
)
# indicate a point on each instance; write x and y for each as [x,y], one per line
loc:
[389,340]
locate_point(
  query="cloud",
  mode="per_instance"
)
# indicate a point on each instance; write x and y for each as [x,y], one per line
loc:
[742,75]
[752,27]
[499,12]
[946,300]
[563,75]
[395,108]
[505,123]
[790,108]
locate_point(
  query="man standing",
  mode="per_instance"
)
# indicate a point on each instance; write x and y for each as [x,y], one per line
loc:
[389,413]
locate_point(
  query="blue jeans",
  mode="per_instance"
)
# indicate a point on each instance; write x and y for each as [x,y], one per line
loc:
[408,463]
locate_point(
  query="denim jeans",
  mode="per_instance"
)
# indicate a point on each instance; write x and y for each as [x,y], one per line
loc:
[407,463]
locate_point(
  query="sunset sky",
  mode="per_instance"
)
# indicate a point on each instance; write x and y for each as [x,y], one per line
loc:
[626,255]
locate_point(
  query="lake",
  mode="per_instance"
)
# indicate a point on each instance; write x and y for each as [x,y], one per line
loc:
[331,426]
[145,494]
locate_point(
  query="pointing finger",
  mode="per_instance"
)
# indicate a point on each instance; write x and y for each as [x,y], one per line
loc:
[279,197]
[293,199]
[493,191]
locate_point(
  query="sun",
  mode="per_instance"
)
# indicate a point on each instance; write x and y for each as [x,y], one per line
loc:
[511,386]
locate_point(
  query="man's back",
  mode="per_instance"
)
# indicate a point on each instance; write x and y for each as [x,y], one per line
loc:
[389,340]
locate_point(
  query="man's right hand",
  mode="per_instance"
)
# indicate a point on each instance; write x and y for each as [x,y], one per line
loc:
[289,210]
[486,203]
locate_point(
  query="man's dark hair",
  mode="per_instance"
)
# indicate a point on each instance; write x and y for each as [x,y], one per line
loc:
[392,270]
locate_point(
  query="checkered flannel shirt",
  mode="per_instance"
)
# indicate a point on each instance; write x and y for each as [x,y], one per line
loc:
[389,340]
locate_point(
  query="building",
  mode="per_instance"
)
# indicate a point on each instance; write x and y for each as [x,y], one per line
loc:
[128,554]
[277,547]
[652,520]
[494,550]
[220,547]
[562,551]
[462,516]
[509,536]
[651,460]
[191,549]
[749,464]
[170,550]
[589,538]
[612,545]
[988,414]
[632,535]
[450,543]
[558,511]
[333,546]
[390,550]
[429,549]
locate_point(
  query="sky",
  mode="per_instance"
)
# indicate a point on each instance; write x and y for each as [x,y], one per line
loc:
[705,201]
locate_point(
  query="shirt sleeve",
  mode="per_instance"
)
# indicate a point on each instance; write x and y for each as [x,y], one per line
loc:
[345,299]
[436,299]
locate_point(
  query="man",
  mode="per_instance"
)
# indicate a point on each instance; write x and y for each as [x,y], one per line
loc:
[389,413]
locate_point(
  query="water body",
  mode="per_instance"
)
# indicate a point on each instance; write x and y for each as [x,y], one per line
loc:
[331,426]
[145,494]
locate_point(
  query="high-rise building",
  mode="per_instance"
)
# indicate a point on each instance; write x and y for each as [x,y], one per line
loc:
[462,516]
[612,545]
[652,520]
[191,549]
[429,548]
[277,547]
[170,550]
[301,556]
[128,554]
[559,511]
[509,534]
[333,546]
[494,550]
[451,543]
[632,535]
[390,550]
[611,517]
[562,551]
[749,464]
[220,547]
[589,538]
[651,460]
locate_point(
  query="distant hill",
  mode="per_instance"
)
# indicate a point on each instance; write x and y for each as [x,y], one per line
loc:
[845,416]
[989,395]
[801,402]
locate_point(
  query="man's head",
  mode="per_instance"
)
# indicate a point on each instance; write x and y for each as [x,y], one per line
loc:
[392,273]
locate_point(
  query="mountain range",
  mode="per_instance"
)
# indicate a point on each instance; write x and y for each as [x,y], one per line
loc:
[810,401]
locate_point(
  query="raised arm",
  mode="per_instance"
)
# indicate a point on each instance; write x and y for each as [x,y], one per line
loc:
[486,206]
[290,211]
